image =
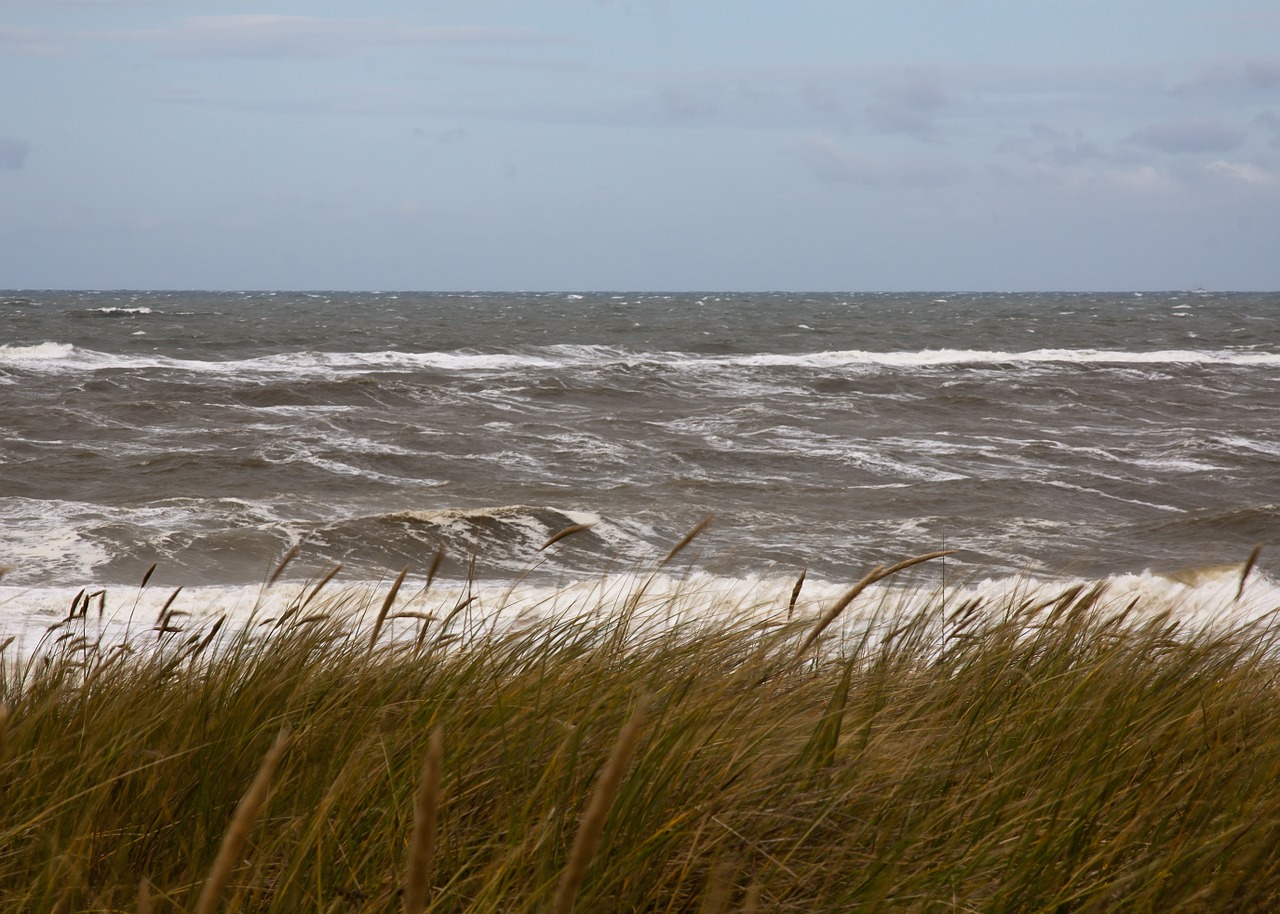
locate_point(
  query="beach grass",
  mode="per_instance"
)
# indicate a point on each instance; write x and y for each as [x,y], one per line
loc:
[1046,752]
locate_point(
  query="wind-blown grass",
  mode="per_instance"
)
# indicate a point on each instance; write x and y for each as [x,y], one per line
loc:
[1045,753]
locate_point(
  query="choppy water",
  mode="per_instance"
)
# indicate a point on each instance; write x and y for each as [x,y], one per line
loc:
[1041,434]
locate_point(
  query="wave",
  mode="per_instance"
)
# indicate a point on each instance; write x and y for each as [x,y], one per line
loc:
[39,352]
[64,356]
[1250,522]
[508,538]
[67,357]
[208,541]
[112,311]
[927,358]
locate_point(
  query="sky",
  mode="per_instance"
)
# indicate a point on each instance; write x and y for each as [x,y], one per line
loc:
[611,145]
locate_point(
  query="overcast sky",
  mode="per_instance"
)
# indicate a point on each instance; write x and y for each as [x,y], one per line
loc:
[606,144]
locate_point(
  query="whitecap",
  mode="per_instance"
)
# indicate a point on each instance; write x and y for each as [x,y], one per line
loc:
[925,358]
[39,352]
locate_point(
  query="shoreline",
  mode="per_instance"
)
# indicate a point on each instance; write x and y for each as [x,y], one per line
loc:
[1198,597]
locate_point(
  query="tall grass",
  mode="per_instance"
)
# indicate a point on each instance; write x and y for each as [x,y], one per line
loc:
[1044,753]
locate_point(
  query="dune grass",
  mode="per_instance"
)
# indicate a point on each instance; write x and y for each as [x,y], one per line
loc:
[1050,753]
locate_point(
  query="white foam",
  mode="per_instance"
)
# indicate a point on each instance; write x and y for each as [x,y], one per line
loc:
[1271,449]
[55,356]
[938,357]
[1199,601]
[65,357]
[338,468]
[45,535]
[40,352]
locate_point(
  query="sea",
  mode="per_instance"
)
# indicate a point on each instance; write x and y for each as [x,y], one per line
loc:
[1132,437]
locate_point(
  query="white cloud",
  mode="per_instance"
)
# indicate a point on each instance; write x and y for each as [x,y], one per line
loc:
[1242,171]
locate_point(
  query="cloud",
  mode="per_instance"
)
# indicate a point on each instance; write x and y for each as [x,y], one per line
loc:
[1263,74]
[1243,172]
[1178,137]
[23,42]
[834,163]
[1143,178]
[686,105]
[273,36]
[1046,143]
[910,107]
[13,153]
[1269,120]
[821,99]
[452,135]
[1233,75]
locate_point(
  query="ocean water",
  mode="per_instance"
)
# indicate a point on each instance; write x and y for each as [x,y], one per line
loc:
[1134,436]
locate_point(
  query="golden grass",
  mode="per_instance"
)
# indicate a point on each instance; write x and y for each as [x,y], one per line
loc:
[1045,752]
[587,839]
[238,831]
[423,843]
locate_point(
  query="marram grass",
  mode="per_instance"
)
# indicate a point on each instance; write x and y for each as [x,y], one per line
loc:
[1058,755]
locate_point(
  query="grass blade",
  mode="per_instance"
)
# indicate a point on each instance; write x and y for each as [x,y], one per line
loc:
[587,840]
[241,823]
[422,845]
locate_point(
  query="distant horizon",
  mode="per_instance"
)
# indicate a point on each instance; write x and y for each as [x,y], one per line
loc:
[621,291]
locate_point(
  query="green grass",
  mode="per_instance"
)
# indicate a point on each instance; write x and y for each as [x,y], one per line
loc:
[1062,755]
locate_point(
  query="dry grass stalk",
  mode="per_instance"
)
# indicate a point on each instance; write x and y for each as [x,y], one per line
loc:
[879,573]
[329,576]
[688,538]
[715,900]
[146,576]
[435,567]
[422,845]
[162,620]
[1248,567]
[4,726]
[386,607]
[282,565]
[213,633]
[144,896]
[75,604]
[241,823]
[602,796]
[63,904]
[795,591]
[564,534]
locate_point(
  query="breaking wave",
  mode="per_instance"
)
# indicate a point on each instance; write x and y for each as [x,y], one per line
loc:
[66,357]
